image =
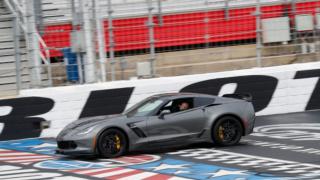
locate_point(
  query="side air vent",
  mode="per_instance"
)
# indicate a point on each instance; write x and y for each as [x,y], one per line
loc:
[137,130]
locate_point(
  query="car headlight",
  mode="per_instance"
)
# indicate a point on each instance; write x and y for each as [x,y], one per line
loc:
[86,130]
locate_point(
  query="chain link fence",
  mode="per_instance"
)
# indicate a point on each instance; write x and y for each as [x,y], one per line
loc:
[82,41]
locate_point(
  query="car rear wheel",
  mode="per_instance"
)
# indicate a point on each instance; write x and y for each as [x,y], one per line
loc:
[112,143]
[227,131]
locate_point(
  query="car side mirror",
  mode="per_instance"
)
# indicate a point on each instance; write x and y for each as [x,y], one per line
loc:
[163,113]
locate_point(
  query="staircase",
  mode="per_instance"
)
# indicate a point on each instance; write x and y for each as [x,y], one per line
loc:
[8,80]
[8,70]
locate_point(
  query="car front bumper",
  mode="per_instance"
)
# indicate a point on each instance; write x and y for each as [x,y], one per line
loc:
[76,147]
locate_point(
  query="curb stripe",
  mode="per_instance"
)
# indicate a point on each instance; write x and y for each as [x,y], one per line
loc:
[115,177]
[6,151]
[103,171]
[139,176]
[159,177]
[108,174]
[17,171]
[130,160]
[178,178]
[89,171]
[23,158]
[15,154]
[26,163]
[28,160]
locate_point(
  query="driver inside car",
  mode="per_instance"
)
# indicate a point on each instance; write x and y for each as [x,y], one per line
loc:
[183,106]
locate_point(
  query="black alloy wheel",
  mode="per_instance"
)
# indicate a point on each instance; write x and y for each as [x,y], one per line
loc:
[112,143]
[227,131]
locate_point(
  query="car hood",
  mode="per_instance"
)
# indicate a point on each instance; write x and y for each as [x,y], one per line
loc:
[94,120]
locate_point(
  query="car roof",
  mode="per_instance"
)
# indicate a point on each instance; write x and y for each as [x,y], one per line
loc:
[181,95]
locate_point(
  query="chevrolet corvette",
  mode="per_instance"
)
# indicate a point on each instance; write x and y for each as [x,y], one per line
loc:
[160,121]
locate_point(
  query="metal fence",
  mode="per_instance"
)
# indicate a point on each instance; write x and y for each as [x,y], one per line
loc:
[86,41]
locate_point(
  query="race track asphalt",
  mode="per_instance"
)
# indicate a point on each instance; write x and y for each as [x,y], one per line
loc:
[281,147]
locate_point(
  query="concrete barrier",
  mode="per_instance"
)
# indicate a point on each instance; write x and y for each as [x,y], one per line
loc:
[282,89]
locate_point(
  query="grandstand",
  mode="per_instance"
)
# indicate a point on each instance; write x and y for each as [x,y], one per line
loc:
[7,58]
[189,36]
[183,22]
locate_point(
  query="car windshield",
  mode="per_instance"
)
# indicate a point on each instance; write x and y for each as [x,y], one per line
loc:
[144,108]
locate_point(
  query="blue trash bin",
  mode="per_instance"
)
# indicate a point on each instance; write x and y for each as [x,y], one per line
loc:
[71,64]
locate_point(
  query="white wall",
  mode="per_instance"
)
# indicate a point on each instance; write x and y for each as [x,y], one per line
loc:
[291,95]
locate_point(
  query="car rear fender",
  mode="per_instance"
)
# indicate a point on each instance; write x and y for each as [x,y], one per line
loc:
[232,115]
[236,109]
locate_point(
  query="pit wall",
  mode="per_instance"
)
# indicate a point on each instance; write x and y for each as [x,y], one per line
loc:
[275,90]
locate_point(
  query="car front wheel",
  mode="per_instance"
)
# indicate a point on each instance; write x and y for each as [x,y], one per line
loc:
[227,131]
[112,143]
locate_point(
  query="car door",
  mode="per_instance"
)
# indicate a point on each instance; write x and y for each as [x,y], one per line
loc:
[176,126]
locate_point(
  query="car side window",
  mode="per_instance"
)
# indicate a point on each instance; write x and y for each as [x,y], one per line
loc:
[202,101]
[178,105]
[166,107]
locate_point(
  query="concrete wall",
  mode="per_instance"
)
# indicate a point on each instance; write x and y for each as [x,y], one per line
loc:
[282,89]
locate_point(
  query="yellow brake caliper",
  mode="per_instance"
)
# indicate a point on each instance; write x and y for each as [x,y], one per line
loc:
[118,142]
[221,136]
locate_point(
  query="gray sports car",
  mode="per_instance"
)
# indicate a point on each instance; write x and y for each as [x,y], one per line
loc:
[161,120]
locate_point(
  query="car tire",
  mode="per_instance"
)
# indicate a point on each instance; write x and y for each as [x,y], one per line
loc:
[227,131]
[112,143]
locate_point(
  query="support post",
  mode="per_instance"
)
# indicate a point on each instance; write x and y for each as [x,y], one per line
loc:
[160,19]
[206,21]
[151,38]
[89,61]
[101,39]
[258,33]
[33,46]
[17,54]
[38,15]
[226,10]
[80,67]
[76,21]
[293,14]
[293,7]
[111,41]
